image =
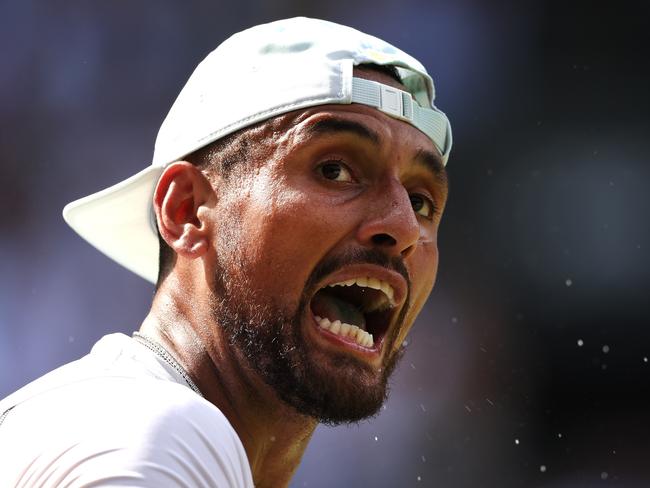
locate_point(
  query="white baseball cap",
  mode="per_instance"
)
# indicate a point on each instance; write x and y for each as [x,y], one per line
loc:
[254,75]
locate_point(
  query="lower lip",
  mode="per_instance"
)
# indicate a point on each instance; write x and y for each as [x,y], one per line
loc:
[344,342]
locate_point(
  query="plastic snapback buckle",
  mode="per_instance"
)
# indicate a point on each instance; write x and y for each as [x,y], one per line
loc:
[392,102]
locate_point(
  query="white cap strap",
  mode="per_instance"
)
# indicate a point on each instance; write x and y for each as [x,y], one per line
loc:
[401,105]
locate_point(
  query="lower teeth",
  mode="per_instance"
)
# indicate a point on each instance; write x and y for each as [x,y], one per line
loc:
[361,337]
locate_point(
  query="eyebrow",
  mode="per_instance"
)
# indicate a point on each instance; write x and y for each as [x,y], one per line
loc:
[433,163]
[429,160]
[332,126]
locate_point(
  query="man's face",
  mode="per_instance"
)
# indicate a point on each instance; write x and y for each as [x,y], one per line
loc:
[327,236]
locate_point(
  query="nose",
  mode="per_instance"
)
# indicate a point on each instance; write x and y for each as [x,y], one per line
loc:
[390,223]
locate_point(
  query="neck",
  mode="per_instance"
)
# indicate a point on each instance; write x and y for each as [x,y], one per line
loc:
[274,435]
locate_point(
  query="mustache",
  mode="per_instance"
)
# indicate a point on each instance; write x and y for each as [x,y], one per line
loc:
[358,256]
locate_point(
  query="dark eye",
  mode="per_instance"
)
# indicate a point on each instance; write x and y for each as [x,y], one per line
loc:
[335,171]
[422,205]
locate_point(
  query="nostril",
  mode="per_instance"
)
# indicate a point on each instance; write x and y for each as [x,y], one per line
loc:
[383,240]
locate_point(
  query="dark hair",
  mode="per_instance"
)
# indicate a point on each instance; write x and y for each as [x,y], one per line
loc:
[387,69]
[220,157]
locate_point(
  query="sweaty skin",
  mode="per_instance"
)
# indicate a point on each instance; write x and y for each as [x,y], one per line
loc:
[270,230]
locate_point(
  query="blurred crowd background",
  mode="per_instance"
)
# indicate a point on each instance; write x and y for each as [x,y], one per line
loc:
[529,366]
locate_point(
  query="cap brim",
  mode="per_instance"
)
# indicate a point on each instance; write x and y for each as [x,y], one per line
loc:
[119,222]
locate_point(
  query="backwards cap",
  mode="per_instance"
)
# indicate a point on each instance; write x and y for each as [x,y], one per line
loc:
[256,74]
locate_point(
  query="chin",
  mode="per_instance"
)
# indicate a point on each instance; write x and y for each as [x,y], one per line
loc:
[336,388]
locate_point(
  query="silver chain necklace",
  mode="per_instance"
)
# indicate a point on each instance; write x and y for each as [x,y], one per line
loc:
[168,358]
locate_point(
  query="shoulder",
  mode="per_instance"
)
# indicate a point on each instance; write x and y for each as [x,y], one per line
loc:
[161,432]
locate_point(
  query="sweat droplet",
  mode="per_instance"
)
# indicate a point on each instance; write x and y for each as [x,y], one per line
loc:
[542,468]
[580,343]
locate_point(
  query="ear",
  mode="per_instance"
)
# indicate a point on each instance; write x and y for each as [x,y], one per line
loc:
[179,200]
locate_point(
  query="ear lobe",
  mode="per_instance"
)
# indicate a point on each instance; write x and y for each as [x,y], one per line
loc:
[181,191]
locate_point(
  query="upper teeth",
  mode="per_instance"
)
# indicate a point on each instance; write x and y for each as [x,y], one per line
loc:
[374,283]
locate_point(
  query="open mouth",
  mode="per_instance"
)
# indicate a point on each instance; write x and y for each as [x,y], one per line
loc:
[358,309]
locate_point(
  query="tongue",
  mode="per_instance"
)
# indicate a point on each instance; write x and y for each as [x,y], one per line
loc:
[334,308]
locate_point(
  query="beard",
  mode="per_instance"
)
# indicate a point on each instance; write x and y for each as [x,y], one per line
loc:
[270,340]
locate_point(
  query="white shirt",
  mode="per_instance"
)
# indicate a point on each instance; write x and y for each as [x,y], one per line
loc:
[120,416]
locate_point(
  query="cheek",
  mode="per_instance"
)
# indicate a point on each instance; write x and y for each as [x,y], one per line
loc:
[425,264]
[423,267]
[284,236]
